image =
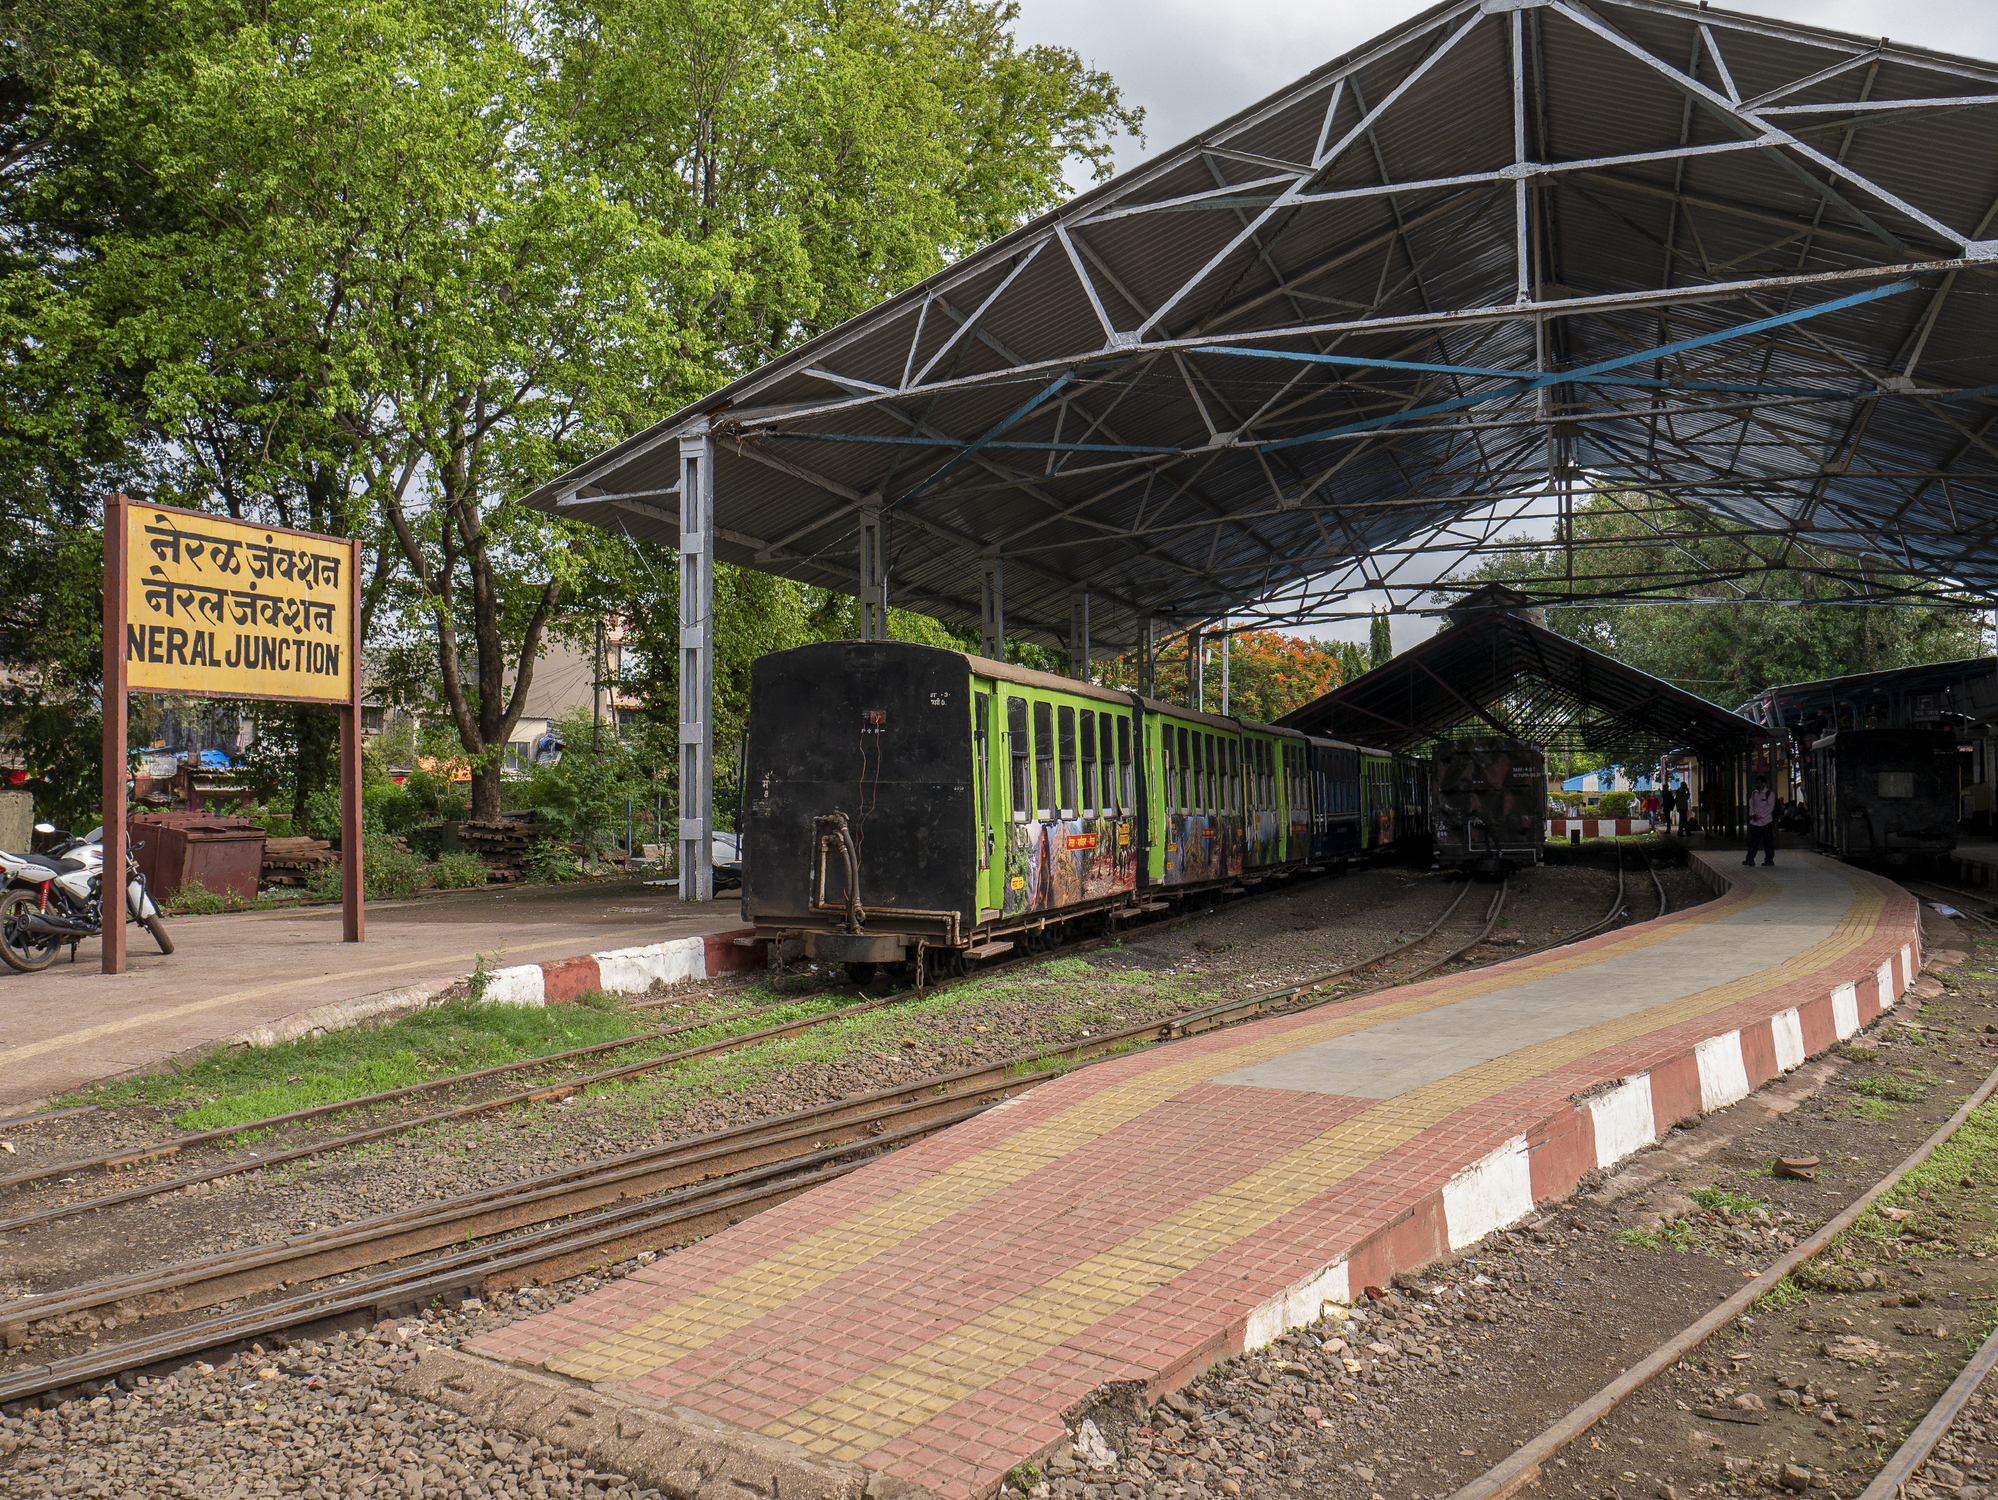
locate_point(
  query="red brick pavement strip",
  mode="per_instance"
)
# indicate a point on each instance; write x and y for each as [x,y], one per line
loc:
[1386,1216]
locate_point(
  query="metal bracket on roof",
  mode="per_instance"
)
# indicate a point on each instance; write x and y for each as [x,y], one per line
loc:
[1980,250]
[1500,7]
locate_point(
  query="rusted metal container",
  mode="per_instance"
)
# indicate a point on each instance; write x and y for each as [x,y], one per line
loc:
[226,855]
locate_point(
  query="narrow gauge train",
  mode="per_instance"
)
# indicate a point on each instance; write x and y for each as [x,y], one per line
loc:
[1488,804]
[1885,795]
[903,803]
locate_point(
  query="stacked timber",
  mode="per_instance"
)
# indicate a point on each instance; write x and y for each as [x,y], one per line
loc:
[502,845]
[295,861]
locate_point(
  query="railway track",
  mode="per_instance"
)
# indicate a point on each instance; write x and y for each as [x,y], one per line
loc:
[545,1092]
[563,1223]
[1523,1467]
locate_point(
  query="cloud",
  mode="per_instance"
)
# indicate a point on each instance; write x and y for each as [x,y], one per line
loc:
[1192,63]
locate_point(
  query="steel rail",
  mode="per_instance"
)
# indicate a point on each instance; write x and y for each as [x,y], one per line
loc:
[173,1147]
[139,1155]
[739,1154]
[561,1090]
[1523,1466]
[1913,1453]
[1975,916]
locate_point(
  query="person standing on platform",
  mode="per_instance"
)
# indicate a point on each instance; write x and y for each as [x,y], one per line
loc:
[1682,802]
[1761,822]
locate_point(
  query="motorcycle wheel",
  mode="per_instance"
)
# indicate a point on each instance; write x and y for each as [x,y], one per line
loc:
[158,929]
[23,951]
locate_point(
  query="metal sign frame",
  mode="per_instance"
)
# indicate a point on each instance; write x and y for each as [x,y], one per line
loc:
[118,692]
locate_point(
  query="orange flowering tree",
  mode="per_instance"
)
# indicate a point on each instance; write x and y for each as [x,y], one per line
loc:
[1269,673]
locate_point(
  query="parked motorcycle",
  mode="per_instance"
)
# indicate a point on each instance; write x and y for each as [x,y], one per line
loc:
[55,898]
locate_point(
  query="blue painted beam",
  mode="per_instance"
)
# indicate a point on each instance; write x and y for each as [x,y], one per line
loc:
[1019,413]
[1360,362]
[1602,367]
[923,442]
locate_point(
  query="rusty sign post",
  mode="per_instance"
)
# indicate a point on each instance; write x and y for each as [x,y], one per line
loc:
[205,607]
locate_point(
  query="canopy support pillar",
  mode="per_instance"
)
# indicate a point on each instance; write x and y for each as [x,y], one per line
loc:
[697,664]
[992,605]
[872,608]
[1078,634]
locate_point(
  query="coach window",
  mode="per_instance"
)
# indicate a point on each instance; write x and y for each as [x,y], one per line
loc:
[1235,776]
[1183,775]
[1210,781]
[1089,761]
[1044,761]
[981,733]
[1127,798]
[1069,801]
[1107,798]
[1016,744]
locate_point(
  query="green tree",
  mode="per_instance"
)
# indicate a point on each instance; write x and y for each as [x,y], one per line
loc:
[1783,625]
[1380,641]
[420,256]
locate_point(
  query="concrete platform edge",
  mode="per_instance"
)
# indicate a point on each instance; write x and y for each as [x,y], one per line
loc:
[621,971]
[1547,1162]
[686,1454]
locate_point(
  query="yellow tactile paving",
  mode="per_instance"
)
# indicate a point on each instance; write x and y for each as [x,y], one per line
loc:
[742,1298]
[932,1378]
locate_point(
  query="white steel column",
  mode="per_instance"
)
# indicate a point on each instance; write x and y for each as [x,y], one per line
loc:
[1150,683]
[872,611]
[1227,638]
[697,664]
[992,605]
[1078,635]
[1196,672]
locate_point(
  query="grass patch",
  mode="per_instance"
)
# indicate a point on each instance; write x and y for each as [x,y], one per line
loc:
[228,1088]
[1643,1239]
[1718,1199]
[1891,1086]
[1068,968]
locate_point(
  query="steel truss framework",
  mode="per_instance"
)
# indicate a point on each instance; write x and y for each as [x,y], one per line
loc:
[1508,252]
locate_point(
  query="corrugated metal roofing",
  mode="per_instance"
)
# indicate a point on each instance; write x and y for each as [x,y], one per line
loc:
[1495,669]
[1300,339]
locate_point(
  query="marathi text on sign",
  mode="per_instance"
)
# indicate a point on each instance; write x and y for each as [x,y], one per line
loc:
[224,609]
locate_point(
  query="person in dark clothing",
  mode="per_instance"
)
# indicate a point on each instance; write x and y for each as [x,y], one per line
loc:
[1682,803]
[1761,822]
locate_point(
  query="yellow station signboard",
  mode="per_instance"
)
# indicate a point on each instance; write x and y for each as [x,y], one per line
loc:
[222,609]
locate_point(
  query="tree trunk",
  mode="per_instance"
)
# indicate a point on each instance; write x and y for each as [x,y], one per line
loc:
[488,794]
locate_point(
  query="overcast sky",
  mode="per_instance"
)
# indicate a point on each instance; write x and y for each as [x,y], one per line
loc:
[1192,63]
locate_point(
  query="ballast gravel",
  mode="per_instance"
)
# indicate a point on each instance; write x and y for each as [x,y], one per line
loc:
[319,1420]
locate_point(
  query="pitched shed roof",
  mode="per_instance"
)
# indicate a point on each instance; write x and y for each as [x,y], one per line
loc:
[1511,243]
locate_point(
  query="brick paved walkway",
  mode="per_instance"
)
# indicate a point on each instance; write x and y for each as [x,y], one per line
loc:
[930,1317]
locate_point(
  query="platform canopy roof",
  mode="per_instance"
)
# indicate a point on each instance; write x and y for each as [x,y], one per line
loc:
[1510,249]
[1495,669]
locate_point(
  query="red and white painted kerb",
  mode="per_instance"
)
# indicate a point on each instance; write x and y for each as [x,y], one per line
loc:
[622,971]
[1550,1158]
[1597,828]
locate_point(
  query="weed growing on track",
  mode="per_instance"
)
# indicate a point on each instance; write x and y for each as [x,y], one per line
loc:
[228,1088]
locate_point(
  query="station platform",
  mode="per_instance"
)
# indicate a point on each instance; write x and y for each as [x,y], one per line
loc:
[263,976]
[926,1323]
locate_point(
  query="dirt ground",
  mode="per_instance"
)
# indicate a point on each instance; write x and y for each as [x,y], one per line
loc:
[1159,970]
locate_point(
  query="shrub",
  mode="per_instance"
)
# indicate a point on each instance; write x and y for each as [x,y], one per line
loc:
[324,882]
[389,871]
[194,899]
[460,871]
[1615,805]
[548,860]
